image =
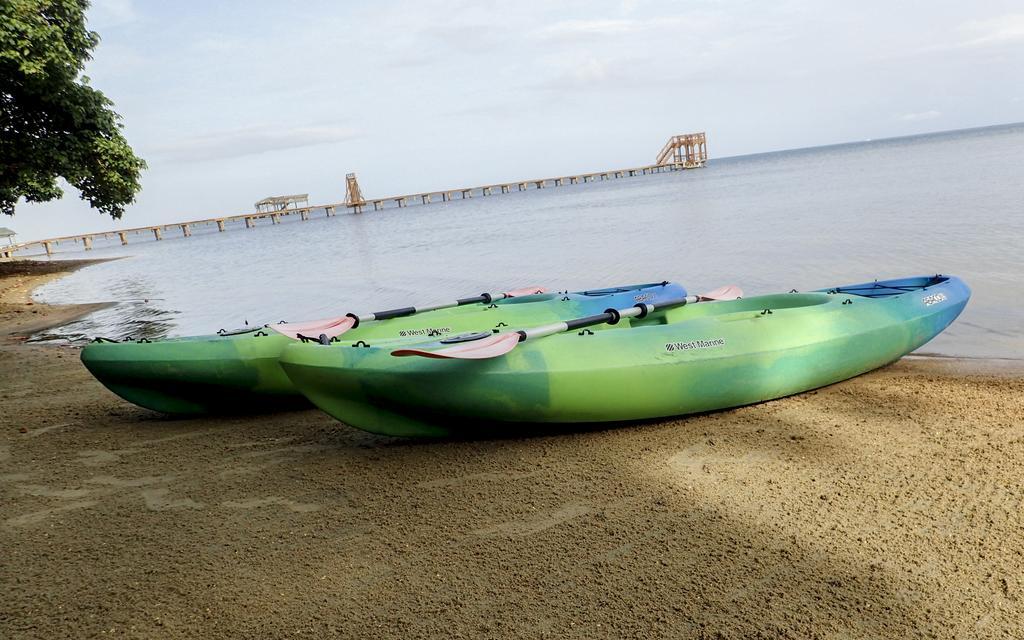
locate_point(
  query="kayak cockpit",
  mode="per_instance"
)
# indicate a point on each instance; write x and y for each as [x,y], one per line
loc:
[889,288]
[741,307]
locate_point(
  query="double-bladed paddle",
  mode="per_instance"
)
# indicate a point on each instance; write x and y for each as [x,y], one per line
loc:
[480,346]
[336,326]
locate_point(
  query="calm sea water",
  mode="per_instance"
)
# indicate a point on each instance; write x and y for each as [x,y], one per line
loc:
[812,218]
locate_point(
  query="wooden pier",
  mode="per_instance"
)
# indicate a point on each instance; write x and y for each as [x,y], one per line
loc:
[688,151]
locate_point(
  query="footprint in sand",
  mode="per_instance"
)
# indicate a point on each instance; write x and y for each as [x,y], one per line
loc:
[14,477]
[157,500]
[98,458]
[281,454]
[255,503]
[41,491]
[123,483]
[175,437]
[41,430]
[262,443]
[473,479]
[243,470]
[39,516]
[537,523]
[704,458]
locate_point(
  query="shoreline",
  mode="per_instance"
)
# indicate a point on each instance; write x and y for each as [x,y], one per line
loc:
[20,315]
[887,505]
[967,365]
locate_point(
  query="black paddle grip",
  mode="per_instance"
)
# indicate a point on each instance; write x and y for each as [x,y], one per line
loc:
[590,321]
[394,313]
[614,313]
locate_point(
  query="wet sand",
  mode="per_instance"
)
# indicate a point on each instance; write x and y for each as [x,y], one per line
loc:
[20,317]
[885,506]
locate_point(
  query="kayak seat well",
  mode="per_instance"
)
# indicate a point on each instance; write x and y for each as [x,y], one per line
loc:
[744,305]
[889,288]
[536,297]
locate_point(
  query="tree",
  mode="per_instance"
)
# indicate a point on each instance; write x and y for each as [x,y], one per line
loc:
[52,123]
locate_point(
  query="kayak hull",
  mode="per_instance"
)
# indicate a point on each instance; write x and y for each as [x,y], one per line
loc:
[686,360]
[240,373]
[230,374]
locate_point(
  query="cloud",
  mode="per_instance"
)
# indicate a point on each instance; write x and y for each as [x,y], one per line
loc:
[486,110]
[105,14]
[628,6]
[592,74]
[628,72]
[572,30]
[218,45]
[976,34]
[922,115]
[112,58]
[468,38]
[251,140]
[1001,30]
[569,29]
[411,60]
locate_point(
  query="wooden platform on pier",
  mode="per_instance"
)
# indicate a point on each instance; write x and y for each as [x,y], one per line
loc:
[687,151]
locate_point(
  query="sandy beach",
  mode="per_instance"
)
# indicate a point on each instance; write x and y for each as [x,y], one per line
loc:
[888,506]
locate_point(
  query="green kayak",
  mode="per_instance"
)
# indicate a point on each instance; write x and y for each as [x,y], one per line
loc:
[239,371]
[680,360]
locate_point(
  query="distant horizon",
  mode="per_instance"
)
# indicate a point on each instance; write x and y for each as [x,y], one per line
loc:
[922,134]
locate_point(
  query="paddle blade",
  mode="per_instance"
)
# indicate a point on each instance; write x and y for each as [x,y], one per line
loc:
[525,291]
[488,347]
[728,292]
[331,327]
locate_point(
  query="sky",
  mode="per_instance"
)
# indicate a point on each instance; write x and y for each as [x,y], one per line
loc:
[230,102]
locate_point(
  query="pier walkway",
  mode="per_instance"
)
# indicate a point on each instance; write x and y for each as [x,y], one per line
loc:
[686,151]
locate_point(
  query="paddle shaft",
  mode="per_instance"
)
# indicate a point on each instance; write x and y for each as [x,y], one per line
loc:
[611,316]
[408,311]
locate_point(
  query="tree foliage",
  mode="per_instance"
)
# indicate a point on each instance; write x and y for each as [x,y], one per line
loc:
[52,123]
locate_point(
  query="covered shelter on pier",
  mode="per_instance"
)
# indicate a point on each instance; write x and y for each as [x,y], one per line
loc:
[280,203]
